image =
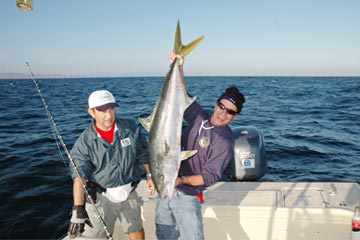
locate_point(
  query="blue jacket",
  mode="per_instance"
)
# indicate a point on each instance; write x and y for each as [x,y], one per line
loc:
[214,146]
[110,165]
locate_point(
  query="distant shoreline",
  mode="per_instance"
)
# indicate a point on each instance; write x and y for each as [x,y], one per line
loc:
[28,76]
[4,76]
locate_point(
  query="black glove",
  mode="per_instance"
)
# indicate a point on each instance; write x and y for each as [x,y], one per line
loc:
[78,219]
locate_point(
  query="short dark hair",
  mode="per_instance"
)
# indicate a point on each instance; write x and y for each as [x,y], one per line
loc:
[235,96]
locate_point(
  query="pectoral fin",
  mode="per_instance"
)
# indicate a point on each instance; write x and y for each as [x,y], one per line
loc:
[148,121]
[187,154]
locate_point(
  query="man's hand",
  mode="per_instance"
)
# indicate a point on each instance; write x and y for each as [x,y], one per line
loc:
[179,181]
[180,58]
[78,219]
[150,185]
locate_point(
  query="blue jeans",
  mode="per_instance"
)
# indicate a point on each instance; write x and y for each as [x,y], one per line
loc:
[179,216]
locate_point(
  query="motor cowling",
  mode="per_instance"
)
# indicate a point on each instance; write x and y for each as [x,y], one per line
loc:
[249,162]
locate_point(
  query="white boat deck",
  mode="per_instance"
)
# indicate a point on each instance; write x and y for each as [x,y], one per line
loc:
[269,211]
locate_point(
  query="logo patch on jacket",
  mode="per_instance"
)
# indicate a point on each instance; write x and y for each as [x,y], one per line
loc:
[204,142]
[125,142]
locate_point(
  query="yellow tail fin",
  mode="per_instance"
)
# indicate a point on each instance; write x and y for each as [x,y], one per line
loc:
[181,49]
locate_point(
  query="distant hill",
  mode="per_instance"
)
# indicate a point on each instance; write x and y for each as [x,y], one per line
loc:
[13,76]
[28,76]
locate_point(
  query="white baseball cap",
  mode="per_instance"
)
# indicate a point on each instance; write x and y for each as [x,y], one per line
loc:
[101,100]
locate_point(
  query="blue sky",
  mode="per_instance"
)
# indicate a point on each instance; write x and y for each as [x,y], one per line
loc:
[133,38]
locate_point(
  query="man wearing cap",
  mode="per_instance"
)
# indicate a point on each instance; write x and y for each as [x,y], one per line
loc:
[107,155]
[211,136]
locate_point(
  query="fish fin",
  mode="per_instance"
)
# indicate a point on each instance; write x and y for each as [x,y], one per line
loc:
[187,154]
[167,148]
[189,100]
[147,122]
[181,49]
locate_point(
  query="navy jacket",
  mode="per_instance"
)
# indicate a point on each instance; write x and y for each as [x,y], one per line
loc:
[110,165]
[214,146]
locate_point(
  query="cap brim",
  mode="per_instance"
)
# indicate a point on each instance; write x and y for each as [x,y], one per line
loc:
[106,107]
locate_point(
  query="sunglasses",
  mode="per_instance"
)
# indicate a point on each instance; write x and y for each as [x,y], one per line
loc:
[222,107]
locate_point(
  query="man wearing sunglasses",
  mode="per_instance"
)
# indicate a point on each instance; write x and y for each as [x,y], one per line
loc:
[211,136]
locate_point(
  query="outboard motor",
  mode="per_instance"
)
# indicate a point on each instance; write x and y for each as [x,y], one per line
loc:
[249,162]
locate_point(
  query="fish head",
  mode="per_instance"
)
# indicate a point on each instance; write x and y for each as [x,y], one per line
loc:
[164,185]
[164,165]
[168,190]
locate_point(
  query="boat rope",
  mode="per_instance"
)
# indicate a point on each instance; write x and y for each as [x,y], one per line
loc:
[60,138]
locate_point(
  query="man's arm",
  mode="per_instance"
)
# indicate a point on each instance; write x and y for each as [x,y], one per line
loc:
[194,180]
[150,185]
[78,192]
[79,215]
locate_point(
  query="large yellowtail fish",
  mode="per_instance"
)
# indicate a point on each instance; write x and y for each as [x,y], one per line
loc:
[165,123]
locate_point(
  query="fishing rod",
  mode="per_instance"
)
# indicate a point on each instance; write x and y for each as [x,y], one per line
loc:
[60,138]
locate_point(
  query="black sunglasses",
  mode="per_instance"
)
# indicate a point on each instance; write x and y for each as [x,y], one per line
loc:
[222,107]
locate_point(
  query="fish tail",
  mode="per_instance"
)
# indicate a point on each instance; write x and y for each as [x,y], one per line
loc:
[181,49]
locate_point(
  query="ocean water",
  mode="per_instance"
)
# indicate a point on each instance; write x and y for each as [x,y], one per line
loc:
[310,125]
